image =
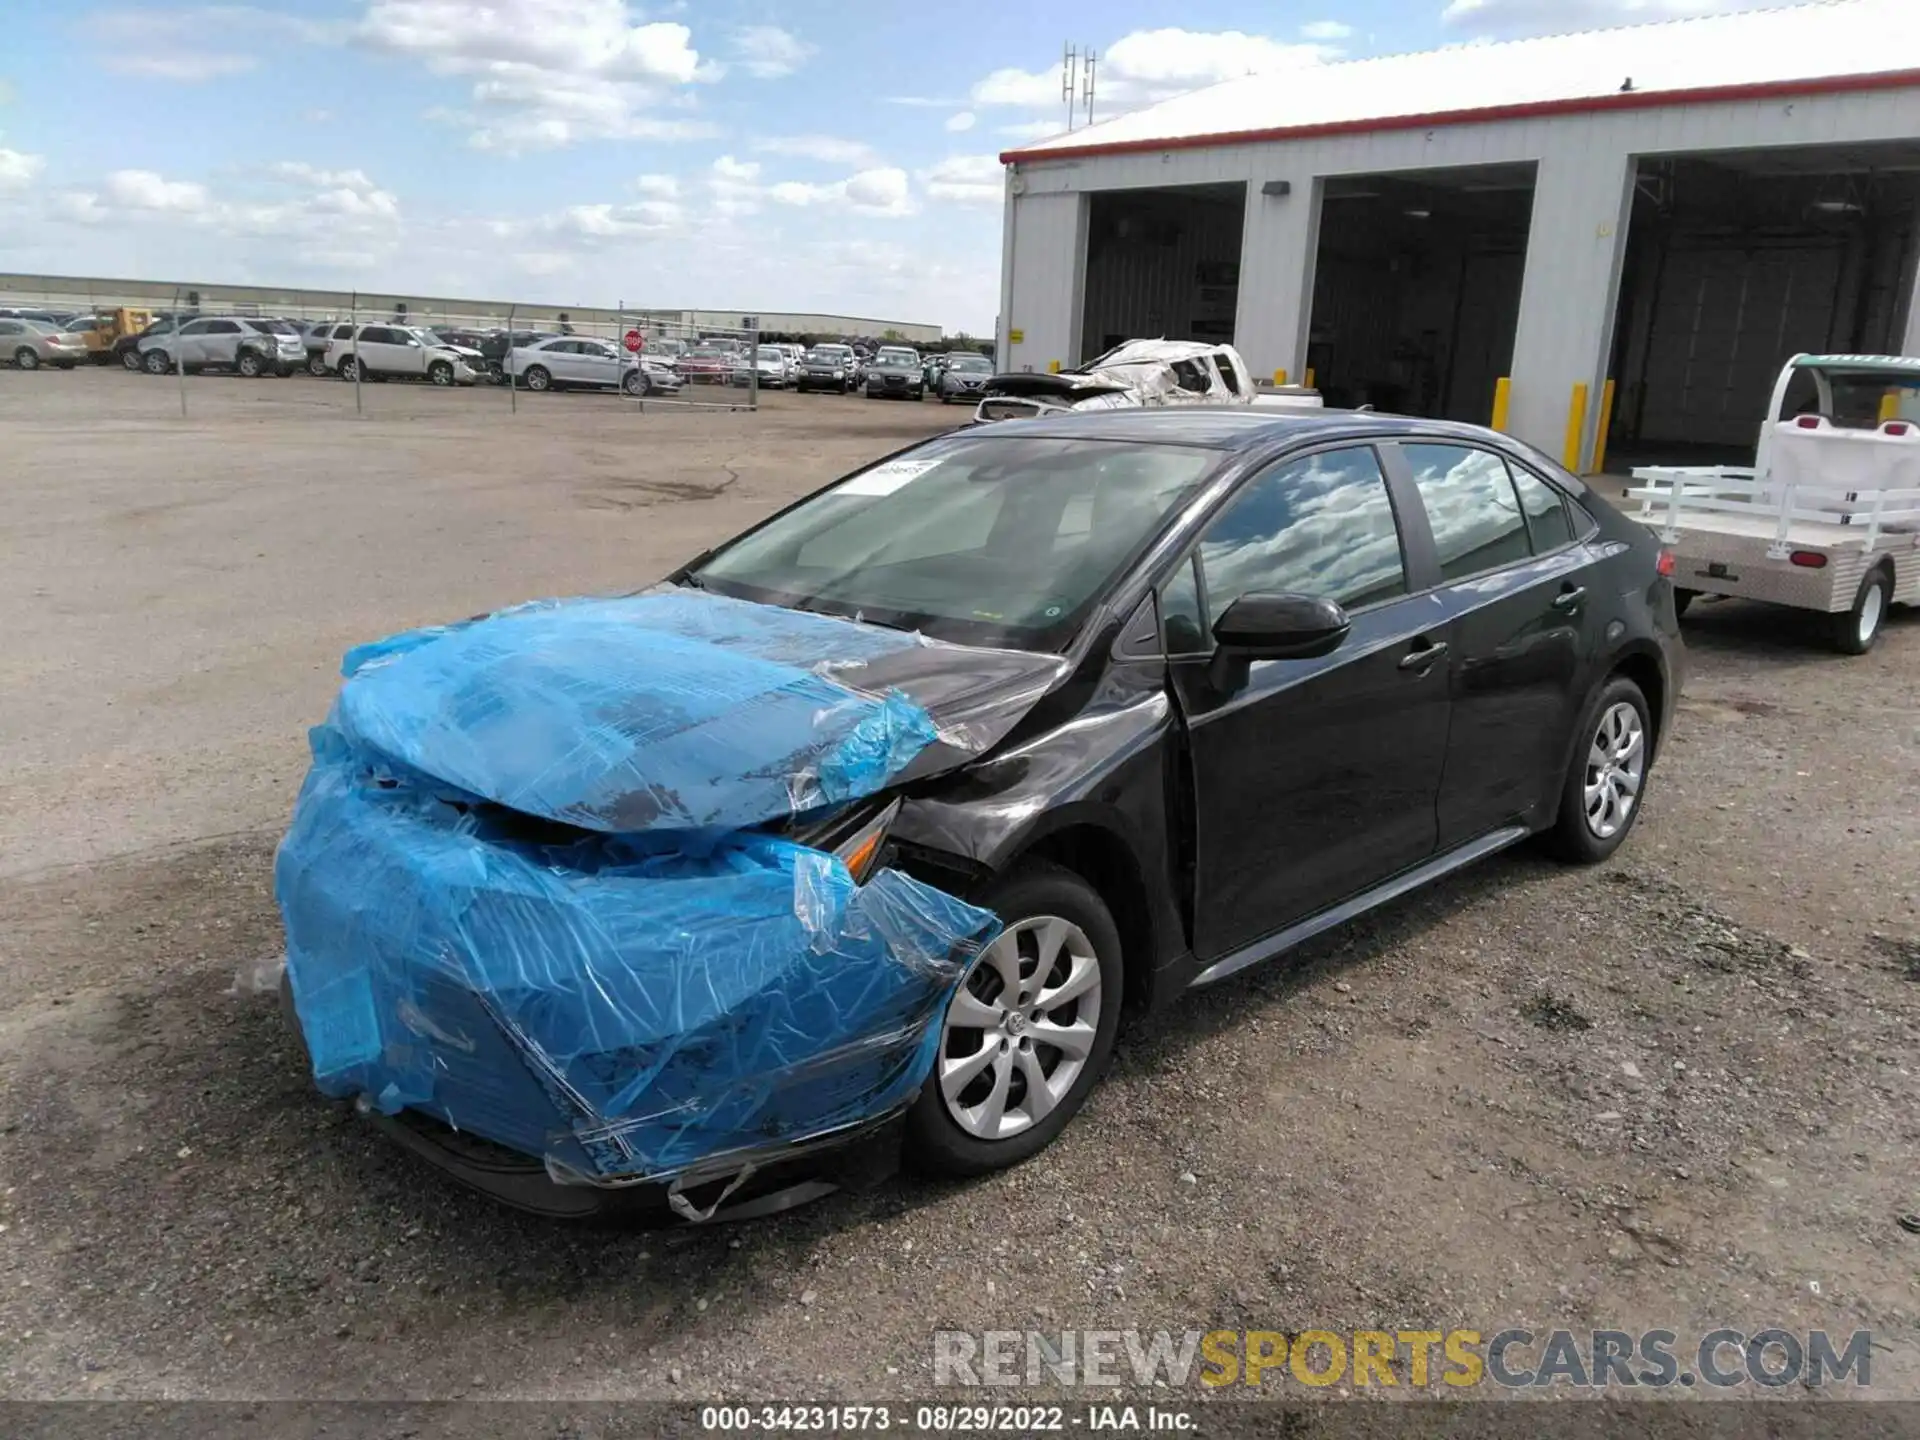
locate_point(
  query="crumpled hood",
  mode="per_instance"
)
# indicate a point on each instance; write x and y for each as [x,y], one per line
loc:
[677,709]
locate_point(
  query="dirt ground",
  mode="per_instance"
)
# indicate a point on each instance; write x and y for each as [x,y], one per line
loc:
[1677,1091]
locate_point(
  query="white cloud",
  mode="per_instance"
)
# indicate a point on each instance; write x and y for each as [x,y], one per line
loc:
[1031,129]
[1146,66]
[193,43]
[658,187]
[828,148]
[300,171]
[882,193]
[734,186]
[1326,30]
[18,169]
[146,190]
[967,180]
[1536,17]
[547,73]
[316,117]
[956,124]
[767,52]
[922,102]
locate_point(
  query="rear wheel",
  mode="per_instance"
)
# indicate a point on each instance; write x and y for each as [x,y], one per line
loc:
[1600,799]
[27,358]
[317,366]
[538,377]
[130,358]
[349,368]
[250,364]
[1855,631]
[1026,1035]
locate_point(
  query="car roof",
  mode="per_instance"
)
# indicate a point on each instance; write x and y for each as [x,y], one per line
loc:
[1229,427]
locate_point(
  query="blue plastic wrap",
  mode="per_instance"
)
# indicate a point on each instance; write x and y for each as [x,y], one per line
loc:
[627,1005]
[673,710]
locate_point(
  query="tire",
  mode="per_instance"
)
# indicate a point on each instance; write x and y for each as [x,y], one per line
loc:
[1681,600]
[537,377]
[1032,901]
[317,366]
[249,364]
[158,362]
[130,358]
[1857,630]
[440,373]
[1577,837]
[349,367]
[26,358]
[634,383]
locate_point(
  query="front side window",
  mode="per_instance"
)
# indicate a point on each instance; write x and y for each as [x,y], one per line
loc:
[991,540]
[1322,526]
[196,327]
[1471,505]
[223,327]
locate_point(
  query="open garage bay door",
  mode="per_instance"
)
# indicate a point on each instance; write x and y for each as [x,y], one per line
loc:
[1417,288]
[1737,262]
[1162,264]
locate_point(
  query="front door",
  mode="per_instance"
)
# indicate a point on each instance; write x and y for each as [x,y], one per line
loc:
[1312,779]
[1514,580]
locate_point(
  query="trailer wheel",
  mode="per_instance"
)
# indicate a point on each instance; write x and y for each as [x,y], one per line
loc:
[1855,631]
[1681,600]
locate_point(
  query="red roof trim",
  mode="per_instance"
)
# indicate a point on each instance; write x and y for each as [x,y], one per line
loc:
[1582,105]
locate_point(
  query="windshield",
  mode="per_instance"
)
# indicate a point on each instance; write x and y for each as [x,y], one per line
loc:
[772,352]
[707,352]
[897,357]
[827,354]
[968,362]
[984,540]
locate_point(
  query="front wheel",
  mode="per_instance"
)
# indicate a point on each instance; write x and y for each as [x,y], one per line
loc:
[1028,1032]
[1855,631]
[634,383]
[440,373]
[27,358]
[317,366]
[130,358]
[158,362]
[537,378]
[1600,799]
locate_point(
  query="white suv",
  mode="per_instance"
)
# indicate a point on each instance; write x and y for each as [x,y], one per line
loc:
[383,352]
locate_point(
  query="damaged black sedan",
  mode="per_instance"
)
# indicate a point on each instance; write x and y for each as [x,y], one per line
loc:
[868,825]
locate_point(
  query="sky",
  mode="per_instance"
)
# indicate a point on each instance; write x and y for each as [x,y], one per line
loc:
[726,154]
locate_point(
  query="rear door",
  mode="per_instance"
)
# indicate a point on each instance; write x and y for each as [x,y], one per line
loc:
[1312,780]
[1514,575]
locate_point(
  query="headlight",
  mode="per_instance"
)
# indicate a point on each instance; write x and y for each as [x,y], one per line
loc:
[839,374]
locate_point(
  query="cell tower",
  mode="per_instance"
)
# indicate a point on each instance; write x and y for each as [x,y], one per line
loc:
[1076,80]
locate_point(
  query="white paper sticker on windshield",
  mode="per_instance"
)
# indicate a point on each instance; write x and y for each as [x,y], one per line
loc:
[887,478]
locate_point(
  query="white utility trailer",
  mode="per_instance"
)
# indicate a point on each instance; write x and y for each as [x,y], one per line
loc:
[1828,516]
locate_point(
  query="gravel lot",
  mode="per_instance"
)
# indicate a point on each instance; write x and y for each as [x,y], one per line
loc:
[1677,1091]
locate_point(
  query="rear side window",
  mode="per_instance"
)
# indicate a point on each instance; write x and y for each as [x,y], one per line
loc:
[1322,525]
[1547,519]
[1471,506]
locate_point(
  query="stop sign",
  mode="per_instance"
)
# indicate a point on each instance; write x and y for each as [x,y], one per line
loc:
[634,340]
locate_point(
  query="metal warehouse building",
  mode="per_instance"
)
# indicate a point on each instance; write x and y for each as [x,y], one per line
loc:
[1632,229]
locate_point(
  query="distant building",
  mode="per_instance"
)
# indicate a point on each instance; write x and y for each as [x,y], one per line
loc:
[69,292]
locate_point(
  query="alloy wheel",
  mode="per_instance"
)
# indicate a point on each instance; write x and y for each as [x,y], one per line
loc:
[1019,1029]
[1616,765]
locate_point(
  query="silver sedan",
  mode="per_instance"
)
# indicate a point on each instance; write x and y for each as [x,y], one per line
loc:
[30,344]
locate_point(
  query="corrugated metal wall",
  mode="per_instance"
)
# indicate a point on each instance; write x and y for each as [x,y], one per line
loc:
[1161,264]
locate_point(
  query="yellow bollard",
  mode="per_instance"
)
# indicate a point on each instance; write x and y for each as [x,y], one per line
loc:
[1502,402]
[1576,427]
[1279,377]
[1053,367]
[1604,429]
[1309,377]
[1889,406]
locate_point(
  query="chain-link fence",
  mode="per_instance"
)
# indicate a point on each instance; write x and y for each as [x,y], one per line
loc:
[639,358]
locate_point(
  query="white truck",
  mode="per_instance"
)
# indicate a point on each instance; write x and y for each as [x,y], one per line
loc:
[1828,516]
[1140,372]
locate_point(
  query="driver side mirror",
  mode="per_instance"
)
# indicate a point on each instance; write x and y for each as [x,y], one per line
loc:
[1282,627]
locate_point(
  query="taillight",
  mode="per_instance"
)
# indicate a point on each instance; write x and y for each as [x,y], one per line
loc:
[1809,559]
[1665,565]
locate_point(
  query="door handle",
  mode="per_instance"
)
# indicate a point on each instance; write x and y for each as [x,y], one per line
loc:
[1423,658]
[1570,599]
